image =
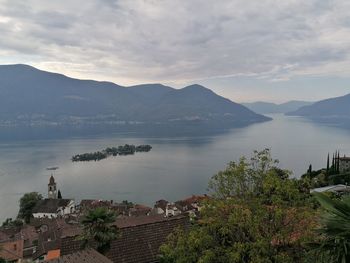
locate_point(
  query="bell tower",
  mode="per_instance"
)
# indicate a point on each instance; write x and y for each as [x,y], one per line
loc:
[52,188]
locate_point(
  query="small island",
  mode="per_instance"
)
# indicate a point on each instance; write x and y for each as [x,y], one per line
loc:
[127,149]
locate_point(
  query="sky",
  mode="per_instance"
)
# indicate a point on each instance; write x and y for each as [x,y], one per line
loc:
[271,50]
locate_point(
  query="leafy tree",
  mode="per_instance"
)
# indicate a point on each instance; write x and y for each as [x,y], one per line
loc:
[335,230]
[257,214]
[97,226]
[26,204]
[12,223]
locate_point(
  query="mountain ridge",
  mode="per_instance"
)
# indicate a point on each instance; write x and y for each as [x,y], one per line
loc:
[337,106]
[262,107]
[29,96]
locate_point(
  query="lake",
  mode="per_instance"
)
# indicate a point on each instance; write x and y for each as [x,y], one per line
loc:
[177,167]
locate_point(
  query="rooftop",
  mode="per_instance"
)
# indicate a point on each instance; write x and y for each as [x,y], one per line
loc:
[50,205]
[83,256]
[138,242]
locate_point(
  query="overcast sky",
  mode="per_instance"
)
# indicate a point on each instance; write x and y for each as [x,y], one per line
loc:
[245,50]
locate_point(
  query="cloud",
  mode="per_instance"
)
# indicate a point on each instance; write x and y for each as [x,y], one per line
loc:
[130,41]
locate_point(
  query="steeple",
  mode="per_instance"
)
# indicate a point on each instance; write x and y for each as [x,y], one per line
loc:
[52,188]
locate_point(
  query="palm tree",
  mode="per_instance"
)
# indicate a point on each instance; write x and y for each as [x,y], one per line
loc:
[97,226]
[335,229]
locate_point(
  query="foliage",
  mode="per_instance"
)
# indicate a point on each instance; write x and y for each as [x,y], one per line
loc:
[97,226]
[343,178]
[12,223]
[127,149]
[26,204]
[335,230]
[257,214]
[128,204]
[59,195]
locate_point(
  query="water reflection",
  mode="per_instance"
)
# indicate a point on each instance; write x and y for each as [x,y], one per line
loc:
[175,168]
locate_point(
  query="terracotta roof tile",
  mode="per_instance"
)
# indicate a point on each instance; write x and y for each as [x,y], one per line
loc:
[138,242]
[83,256]
[53,254]
[50,205]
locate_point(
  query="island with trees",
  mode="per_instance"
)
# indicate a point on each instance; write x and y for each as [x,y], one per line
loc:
[127,149]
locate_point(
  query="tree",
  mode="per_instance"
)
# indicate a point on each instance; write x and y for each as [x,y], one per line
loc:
[97,226]
[12,223]
[338,163]
[328,164]
[334,245]
[256,214]
[59,195]
[309,171]
[26,204]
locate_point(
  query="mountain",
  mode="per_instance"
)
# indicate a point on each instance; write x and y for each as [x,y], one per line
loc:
[31,97]
[268,107]
[334,111]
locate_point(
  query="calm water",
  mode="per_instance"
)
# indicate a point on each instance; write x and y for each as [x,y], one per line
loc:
[175,168]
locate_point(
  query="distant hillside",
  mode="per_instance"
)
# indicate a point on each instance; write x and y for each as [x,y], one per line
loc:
[335,111]
[267,107]
[29,96]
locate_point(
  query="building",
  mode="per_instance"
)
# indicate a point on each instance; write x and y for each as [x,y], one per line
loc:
[90,204]
[53,208]
[52,189]
[30,237]
[49,237]
[11,250]
[139,238]
[160,206]
[344,164]
[172,210]
[83,256]
[139,210]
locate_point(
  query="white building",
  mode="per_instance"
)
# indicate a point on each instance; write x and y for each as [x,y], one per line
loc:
[172,210]
[53,208]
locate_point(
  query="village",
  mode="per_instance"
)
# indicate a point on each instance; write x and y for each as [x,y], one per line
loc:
[53,231]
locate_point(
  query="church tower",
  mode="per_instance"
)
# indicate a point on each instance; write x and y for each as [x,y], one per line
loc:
[52,188]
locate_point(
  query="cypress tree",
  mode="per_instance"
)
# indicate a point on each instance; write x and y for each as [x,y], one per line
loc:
[310,170]
[338,163]
[59,195]
[328,164]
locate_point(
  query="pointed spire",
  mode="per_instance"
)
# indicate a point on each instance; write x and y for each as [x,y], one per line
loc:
[52,180]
